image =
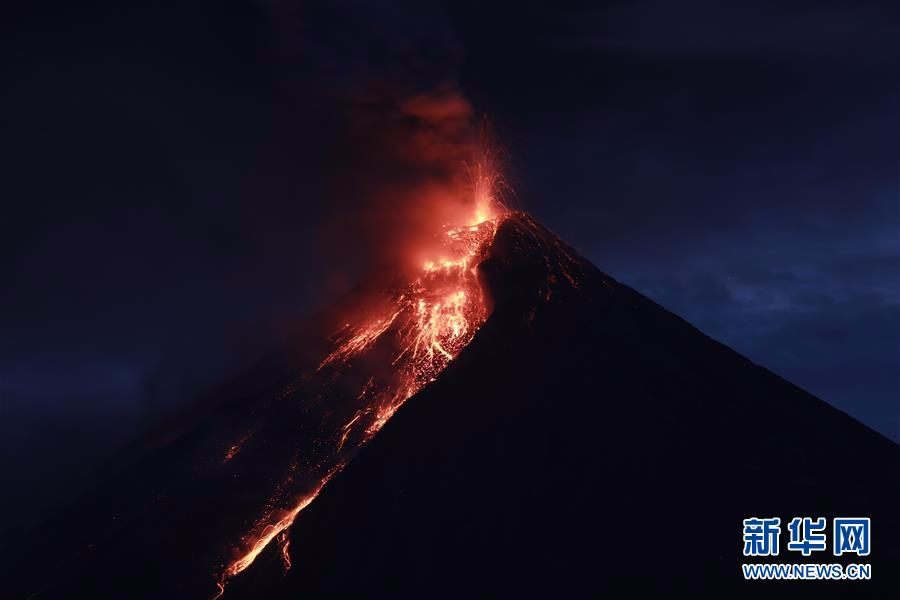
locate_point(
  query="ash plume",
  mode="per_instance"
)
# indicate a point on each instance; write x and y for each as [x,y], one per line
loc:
[403,169]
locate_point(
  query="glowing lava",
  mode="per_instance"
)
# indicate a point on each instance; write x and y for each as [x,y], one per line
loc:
[272,530]
[236,447]
[423,326]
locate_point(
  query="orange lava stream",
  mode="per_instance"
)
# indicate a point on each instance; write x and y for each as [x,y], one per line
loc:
[236,447]
[428,322]
[271,531]
[285,542]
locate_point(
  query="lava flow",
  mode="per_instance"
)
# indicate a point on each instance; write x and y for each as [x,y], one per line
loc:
[395,349]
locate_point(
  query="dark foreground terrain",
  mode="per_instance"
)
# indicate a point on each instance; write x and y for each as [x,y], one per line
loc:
[586,441]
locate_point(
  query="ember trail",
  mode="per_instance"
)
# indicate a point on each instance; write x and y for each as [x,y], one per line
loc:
[394,348]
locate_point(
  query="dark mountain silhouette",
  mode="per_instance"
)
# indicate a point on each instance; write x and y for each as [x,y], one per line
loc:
[585,441]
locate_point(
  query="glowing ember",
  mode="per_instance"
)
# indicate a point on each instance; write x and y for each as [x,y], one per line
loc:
[422,327]
[236,447]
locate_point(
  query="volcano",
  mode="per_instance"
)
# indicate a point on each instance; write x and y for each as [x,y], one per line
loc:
[546,431]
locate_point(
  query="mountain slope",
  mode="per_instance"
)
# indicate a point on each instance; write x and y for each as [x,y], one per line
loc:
[585,440]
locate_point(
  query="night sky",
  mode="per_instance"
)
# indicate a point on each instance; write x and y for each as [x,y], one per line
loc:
[167,167]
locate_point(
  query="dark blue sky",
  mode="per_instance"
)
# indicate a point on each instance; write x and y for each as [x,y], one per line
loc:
[164,168]
[738,165]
